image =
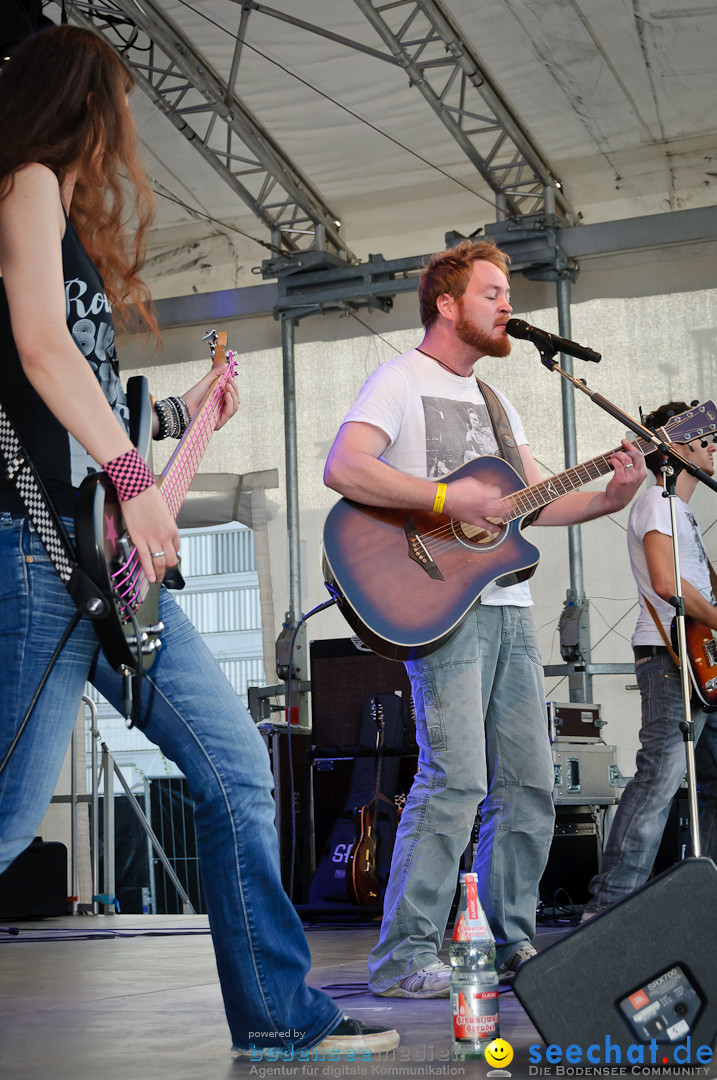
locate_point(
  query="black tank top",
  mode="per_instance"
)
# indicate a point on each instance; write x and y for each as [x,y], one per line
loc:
[58,457]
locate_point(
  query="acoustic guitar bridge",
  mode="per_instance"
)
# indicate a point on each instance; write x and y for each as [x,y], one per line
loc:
[420,554]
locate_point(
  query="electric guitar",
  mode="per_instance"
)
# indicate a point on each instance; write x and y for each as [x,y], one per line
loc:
[362,871]
[129,632]
[701,659]
[405,580]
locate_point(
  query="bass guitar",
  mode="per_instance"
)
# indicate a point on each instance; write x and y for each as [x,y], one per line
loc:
[404,581]
[362,870]
[129,632]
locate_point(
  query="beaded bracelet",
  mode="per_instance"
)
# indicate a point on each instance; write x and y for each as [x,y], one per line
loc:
[174,418]
[129,474]
[164,415]
[440,498]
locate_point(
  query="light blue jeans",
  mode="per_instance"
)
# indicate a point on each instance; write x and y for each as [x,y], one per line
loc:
[482,732]
[195,717]
[644,805]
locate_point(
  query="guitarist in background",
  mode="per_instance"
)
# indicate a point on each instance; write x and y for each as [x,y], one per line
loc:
[479,698]
[644,806]
[67,145]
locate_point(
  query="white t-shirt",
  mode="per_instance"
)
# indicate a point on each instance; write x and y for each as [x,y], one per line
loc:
[650,512]
[434,421]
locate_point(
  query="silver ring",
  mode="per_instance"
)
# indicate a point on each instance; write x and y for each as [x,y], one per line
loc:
[628,466]
[157,554]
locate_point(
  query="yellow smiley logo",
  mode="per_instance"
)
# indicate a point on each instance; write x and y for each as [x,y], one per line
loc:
[499,1053]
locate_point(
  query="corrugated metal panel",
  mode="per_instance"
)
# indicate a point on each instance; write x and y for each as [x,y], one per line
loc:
[244,673]
[226,611]
[229,551]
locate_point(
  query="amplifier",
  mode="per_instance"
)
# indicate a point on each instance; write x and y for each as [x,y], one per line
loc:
[344,674]
[574,720]
[585,772]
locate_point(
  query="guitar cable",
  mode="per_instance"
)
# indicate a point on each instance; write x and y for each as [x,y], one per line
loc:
[48,671]
[287,713]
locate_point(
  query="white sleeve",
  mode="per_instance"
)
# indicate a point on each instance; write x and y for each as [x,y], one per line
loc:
[381,401]
[651,515]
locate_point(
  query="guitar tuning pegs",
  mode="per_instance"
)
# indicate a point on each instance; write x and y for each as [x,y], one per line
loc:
[704,443]
[693,404]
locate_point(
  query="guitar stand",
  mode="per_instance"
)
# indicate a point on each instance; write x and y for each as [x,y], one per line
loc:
[673,464]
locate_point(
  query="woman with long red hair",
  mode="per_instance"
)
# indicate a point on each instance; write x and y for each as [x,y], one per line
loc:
[67,261]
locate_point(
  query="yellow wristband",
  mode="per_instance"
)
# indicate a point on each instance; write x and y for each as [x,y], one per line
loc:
[440,498]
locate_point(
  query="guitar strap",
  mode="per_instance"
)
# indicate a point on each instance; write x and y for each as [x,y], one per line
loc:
[508,450]
[658,622]
[19,468]
[507,447]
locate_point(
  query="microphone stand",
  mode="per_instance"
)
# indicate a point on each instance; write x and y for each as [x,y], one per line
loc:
[673,464]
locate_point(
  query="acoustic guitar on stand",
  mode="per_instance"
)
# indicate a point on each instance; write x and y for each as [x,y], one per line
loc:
[405,580]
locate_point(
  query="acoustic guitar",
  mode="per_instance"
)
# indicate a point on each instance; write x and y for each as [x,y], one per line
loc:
[404,581]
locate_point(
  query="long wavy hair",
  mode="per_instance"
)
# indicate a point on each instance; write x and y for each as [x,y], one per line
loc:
[63,103]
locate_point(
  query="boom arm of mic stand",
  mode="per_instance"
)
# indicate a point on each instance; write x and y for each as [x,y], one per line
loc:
[548,359]
[670,472]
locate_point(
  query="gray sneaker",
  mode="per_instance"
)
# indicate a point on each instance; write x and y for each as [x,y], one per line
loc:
[430,982]
[509,967]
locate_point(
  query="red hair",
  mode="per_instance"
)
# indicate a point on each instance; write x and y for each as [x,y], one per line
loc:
[63,104]
[449,272]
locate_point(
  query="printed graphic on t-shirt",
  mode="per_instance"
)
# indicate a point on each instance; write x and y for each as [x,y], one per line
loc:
[699,547]
[456,432]
[89,318]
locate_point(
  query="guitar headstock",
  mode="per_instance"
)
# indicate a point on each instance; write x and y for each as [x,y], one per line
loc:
[218,348]
[695,423]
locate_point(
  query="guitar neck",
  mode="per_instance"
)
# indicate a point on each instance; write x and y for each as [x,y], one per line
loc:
[181,468]
[539,495]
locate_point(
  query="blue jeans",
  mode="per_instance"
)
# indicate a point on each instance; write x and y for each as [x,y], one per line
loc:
[482,732]
[195,717]
[644,806]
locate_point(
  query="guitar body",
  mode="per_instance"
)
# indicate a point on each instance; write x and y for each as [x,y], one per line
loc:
[108,558]
[701,659]
[362,876]
[407,578]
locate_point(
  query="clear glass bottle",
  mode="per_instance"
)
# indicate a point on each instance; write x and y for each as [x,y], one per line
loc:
[474,980]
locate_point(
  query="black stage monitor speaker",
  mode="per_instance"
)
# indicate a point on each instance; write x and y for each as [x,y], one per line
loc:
[344,675]
[636,985]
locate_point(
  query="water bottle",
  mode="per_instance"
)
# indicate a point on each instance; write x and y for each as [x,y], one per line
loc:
[474,980]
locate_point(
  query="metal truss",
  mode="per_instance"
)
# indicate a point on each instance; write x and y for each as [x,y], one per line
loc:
[205,109]
[443,65]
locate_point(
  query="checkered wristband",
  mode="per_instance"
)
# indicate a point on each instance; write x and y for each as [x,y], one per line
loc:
[129,474]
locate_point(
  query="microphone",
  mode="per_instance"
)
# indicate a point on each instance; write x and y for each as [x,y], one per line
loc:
[519,329]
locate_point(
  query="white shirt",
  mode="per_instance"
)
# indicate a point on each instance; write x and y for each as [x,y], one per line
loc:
[650,512]
[434,421]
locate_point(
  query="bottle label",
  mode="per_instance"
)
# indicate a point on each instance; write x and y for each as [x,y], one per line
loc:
[475,1015]
[465,931]
[472,897]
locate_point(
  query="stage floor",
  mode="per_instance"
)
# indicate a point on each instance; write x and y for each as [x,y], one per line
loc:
[129,996]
